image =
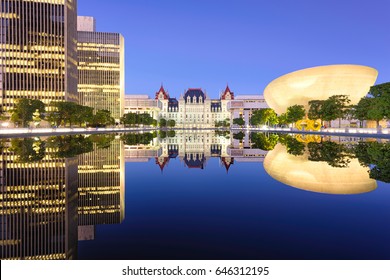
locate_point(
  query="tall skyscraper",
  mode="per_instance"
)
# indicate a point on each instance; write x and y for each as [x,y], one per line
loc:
[38,202]
[101,68]
[38,51]
[101,185]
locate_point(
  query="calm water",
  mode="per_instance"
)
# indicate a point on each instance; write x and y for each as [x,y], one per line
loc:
[195,196]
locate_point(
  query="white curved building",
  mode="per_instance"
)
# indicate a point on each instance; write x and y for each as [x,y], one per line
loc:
[319,83]
[317,176]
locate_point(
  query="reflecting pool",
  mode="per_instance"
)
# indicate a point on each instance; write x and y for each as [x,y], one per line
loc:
[195,195]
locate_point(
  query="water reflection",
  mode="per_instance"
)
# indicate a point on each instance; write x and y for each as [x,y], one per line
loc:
[317,176]
[56,190]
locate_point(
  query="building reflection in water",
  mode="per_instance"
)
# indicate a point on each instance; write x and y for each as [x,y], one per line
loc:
[101,188]
[38,215]
[317,176]
[195,148]
[49,203]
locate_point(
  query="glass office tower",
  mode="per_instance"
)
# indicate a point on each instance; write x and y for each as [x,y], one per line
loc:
[101,68]
[38,51]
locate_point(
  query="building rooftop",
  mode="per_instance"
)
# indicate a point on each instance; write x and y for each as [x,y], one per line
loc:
[136,96]
[250,97]
[195,94]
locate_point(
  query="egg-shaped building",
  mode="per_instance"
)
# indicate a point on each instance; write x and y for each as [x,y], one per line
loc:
[319,83]
[317,176]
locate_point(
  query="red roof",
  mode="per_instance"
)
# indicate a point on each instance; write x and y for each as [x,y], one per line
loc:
[162,90]
[227,164]
[162,164]
[227,91]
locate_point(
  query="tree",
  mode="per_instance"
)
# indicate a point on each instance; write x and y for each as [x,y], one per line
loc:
[84,114]
[264,142]
[171,133]
[102,118]
[144,119]
[63,113]
[102,141]
[162,122]
[335,107]
[171,123]
[239,136]
[376,156]
[28,150]
[336,155]
[239,121]
[136,139]
[162,134]
[24,110]
[129,119]
[381,92]
[282,119]
[295,113]
[315,110]
[264,116]
[68,146]
[370,108]
[293,146]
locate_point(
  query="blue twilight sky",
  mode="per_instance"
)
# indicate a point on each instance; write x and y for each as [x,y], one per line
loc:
[246,43]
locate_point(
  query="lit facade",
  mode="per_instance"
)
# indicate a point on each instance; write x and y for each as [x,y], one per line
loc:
[194,109]
[38,56]
[244,105]
[317,176]
[319,83]
[38,206]
[141,103]
[194,149]
[101,68]
[101,187]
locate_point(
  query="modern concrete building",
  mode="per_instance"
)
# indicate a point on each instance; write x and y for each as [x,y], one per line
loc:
[317,176]
[38,56]
[319,83]
[141,103]
[244,105]
[101,68]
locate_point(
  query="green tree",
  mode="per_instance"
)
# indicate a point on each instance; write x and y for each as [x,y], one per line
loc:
[144,119]
[239,121]
[171,133]
[83,115]
[315,110]
[162,122]
[162,134]
[171,123]
[295,113]
[264,116]
[381,92]
[28,150]
[24,110]
[370,108]
[102,118]
[263,141]
[129,119]
[68,146]
[335,107]
[335,154]
[137,139]
[293,146]
[63,113]
[102,141]
[239,136]
[282,119]
[376,156]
